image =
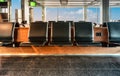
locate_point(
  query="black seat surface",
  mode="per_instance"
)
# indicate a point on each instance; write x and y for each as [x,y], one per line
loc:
[7,32]
[114,32]
[38,32]
[61,33]
[71,22]
[84,33]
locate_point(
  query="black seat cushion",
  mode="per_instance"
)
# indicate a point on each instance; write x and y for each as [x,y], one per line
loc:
[83,32]
[89,44]
[37,39]
[38,32]
[114,31]
[61,32]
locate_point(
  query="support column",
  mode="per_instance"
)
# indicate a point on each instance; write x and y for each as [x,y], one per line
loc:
[43,13]
[18,16]
[9,10]
[31,15]
[104,11]
[25,10]
[85,13]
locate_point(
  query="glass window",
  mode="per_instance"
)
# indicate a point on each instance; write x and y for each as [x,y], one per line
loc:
[51,14]
[16,4]
[64,14]
[115,14]
[93,15]
[37,14]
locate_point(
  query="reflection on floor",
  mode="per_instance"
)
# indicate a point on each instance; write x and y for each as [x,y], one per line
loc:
[60,66]
[56,50]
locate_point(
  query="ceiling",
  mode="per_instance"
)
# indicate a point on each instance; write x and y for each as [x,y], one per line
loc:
[75,3]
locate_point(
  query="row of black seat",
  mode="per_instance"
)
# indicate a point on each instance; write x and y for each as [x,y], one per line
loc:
[60,33]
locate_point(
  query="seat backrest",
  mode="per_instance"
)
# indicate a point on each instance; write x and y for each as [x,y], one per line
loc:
[51,23]
[7,31]
[71,22]
[38,30]
[114,31]
[37,22]
[83,31]
[61,32]
[60,21]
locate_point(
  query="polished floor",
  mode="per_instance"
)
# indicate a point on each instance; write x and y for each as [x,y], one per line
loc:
[60,66]
[56,50]
[59,61]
